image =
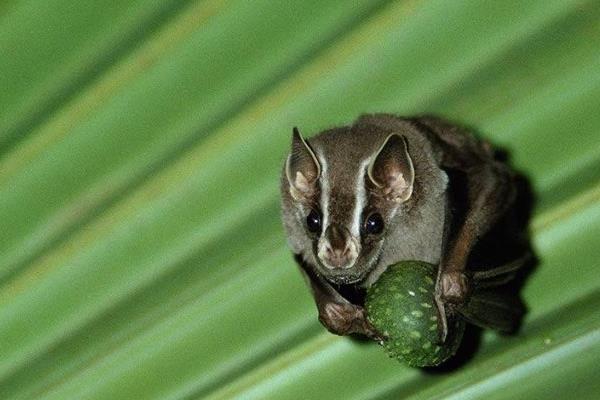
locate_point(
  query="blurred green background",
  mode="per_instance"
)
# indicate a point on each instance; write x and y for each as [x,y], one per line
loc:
[141,252]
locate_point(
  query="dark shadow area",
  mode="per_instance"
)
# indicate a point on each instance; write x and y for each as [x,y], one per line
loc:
[360,339]
[466,351]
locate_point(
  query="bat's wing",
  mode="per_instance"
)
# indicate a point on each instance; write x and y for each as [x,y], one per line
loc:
[492,277]
[492,303]
[495,309]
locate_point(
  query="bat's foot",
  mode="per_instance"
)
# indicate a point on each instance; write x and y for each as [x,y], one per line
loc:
[452,287]
[337,317]
[346,318]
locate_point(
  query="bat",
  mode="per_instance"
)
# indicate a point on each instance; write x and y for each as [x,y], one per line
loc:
[358,198]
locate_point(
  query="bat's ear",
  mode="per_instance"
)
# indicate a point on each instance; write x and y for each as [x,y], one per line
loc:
[392,171]
[302,168]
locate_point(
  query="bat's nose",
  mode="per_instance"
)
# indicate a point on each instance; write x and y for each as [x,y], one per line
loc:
[337,250]
[338,257]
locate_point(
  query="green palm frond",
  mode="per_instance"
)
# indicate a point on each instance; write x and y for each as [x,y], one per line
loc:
[141,252]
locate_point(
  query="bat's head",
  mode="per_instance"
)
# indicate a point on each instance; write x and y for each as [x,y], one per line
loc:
[340,192]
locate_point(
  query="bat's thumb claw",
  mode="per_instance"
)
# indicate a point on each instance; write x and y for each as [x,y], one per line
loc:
[442,320]
[453,287]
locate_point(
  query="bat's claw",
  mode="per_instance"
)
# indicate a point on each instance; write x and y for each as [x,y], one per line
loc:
[347,318]
[442,320]
[452,287]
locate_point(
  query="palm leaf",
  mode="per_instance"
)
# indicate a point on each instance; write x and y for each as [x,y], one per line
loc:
[141,252]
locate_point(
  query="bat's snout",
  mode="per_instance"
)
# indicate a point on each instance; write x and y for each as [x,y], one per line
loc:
[337,248]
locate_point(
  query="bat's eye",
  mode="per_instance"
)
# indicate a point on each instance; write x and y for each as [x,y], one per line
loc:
[374,224]
[313,221]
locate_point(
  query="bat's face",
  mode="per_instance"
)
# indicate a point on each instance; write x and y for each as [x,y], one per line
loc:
[339,196]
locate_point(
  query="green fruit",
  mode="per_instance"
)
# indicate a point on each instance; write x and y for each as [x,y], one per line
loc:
[401,306]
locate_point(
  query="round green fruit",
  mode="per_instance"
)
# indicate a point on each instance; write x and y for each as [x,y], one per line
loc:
[401,306]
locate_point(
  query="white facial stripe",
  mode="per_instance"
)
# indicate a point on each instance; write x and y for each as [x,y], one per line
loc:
[361,198]
[325,190]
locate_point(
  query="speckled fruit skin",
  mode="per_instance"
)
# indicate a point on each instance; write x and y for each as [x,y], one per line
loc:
[401,305]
